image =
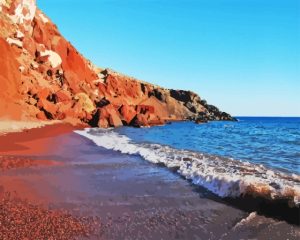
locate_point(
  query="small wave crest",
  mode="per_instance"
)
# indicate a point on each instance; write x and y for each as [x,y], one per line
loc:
[224,177]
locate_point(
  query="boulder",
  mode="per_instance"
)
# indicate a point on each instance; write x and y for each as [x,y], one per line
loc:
[63,96]
[77,111]
[19,35]
[48,108]
[140,120]
[43,93]
[53,58]
[115,120]
[15,42]
[128,113]
[64,107]
[106,116]
[85,101]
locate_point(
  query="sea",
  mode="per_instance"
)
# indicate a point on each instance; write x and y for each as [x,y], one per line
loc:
[258,156]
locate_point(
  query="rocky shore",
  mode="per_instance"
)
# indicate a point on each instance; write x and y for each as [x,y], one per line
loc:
[43,77]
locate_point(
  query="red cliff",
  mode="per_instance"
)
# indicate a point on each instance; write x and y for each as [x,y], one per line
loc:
[44,77]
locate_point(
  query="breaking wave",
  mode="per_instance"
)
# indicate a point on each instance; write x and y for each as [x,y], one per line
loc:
[224,177]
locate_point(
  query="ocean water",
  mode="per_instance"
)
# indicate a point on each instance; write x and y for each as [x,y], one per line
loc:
[271,141]
[255,156]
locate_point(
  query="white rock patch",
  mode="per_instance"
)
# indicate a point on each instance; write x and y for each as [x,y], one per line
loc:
[34,65]
[99,80]
[54,58]
[96,92]
[44,18]
[19,17]
[15,42]
[21,69]
[19,35]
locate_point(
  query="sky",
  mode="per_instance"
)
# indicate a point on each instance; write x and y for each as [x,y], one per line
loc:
[240,55]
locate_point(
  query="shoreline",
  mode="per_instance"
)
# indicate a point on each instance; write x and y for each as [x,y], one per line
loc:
[17,148]
[14,140]
[13,126]
[240,191]
[124,184]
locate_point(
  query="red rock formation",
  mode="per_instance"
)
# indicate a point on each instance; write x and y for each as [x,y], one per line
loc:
[128,113]
[44,77]
[10,78]
[107,116]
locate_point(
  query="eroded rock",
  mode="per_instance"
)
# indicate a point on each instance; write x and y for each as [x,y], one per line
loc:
[43,76]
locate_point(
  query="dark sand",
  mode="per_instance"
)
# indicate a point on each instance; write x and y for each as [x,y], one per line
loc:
[124,196]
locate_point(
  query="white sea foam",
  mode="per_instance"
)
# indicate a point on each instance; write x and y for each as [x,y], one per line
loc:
[223,176]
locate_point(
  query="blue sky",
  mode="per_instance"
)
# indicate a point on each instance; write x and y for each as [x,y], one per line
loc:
[241,55]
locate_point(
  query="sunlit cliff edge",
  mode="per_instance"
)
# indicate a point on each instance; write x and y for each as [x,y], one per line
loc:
[43,77]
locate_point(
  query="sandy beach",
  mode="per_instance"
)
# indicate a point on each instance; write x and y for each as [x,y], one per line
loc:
[69,188]
[174,120]
[20,218]
[10,126]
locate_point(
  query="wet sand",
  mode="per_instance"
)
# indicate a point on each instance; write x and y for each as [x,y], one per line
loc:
[129,197]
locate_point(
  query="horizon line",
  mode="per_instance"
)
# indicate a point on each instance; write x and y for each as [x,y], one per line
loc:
[268,116]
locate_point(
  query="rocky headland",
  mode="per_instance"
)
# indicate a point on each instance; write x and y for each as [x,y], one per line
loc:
[43,77]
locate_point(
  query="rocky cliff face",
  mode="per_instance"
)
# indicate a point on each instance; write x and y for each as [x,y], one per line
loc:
[42,76]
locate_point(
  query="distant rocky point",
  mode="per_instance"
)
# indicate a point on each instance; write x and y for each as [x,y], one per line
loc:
[44,77]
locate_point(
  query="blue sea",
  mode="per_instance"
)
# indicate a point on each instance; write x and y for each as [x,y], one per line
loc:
[258,156]
[271,141]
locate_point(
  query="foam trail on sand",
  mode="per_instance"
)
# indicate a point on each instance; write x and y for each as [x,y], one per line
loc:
[225,177]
